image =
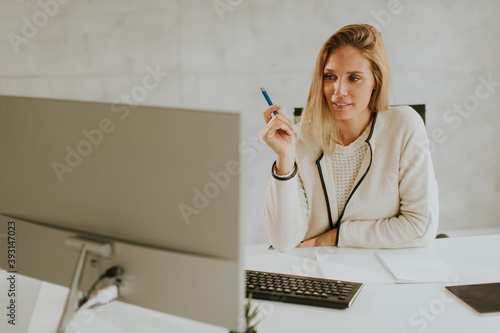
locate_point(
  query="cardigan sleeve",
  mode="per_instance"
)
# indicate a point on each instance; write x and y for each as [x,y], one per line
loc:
[285,213]
[417,221]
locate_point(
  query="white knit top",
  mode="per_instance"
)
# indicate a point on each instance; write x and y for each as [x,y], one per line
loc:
[346,162]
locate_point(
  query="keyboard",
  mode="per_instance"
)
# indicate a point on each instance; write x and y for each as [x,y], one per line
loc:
[301,290]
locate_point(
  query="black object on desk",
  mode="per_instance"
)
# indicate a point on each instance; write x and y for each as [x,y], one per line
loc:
[483,298]
[301,290]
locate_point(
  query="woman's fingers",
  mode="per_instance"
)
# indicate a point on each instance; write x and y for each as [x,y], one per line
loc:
[269,112]
[278,132]
[308,243]
[268,116]
[281,119]
[275,126]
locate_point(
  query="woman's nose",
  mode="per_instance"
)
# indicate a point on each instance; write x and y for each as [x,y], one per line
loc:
[340,89]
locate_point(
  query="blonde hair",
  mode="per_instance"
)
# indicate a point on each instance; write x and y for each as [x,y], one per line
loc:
[316,112]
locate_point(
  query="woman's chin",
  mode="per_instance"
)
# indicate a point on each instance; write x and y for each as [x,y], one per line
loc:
[341,115]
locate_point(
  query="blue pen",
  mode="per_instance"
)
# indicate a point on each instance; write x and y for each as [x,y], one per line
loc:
[264,92]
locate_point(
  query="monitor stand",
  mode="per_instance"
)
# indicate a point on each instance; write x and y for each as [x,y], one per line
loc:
[85,247]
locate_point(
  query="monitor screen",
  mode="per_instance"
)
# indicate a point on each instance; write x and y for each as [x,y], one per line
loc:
[159,184]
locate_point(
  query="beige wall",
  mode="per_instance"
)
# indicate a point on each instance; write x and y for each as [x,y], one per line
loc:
[440,52]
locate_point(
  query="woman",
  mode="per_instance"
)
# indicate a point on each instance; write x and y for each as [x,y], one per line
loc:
[355,172]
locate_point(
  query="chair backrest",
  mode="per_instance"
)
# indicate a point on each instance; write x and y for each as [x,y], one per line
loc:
[420,108]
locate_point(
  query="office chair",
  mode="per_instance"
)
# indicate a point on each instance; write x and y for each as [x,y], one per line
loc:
[420,108]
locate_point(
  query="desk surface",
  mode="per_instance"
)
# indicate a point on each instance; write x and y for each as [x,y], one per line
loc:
[382,306]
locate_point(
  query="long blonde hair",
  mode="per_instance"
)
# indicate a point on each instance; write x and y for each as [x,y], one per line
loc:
[316,112]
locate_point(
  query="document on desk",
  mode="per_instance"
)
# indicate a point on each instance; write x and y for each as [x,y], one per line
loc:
[416,268]
[362,267]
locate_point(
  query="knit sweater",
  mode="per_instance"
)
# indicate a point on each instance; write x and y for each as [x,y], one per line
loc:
[394,201]
[346,162]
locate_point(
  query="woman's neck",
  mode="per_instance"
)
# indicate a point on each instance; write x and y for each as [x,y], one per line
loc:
[351,129]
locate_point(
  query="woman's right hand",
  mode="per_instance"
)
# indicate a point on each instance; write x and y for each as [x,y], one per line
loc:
[278,135]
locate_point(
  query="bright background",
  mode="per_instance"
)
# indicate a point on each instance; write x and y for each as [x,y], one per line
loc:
[440,52]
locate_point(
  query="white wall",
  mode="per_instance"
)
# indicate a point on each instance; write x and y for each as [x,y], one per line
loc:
[439,52]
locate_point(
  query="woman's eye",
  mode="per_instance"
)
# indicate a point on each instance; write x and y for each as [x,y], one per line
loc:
[355,78]
[329,77]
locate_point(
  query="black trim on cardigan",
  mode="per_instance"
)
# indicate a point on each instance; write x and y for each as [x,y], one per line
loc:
[366,172]
[330,220]
[295,168]
[337,237]
[338,224]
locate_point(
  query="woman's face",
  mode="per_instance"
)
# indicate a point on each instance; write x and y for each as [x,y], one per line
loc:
[348,83]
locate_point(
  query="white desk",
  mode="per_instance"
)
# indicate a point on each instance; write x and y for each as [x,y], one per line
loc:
[382,306]
[387,307]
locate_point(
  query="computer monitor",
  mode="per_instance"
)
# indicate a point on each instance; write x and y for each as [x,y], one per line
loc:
[159,185]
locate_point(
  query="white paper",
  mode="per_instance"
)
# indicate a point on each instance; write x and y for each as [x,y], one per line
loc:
[363,268]
[416,268]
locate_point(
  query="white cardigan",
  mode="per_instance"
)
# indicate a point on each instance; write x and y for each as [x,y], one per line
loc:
[394,202]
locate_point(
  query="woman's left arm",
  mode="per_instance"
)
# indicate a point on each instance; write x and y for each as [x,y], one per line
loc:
[417,221]
[325,239]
